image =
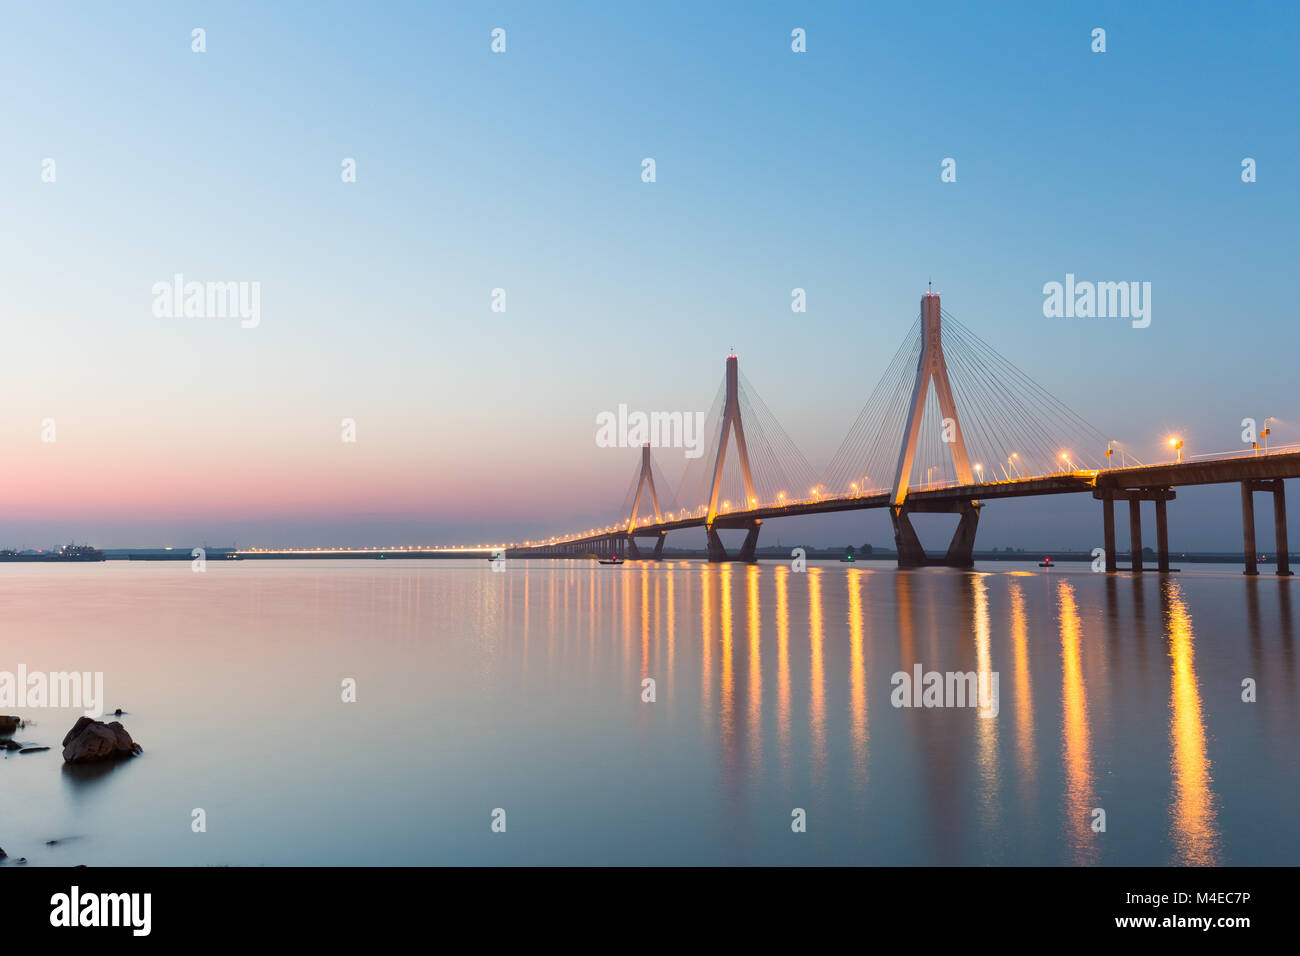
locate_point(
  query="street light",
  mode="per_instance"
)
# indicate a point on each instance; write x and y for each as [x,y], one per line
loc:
[979,473]
[1177,445]
[1013,464]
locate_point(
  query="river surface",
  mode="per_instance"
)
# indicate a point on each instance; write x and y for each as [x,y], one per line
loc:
[518,698]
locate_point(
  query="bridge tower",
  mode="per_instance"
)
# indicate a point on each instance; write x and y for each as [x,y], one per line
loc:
[933,369]
[645,478]
[731,422]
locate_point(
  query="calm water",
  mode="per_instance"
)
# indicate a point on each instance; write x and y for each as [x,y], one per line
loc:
[522,690]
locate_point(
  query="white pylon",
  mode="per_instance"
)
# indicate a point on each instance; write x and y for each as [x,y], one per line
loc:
[731,420]
[931,368]
[646,477]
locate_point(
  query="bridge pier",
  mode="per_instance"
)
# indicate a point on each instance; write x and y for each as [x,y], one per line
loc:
[747,554]
[1248,528]
[1279,528]
[634,552]
[961,550]
[1278,490]
[1135,497]
[1108,520]
[1135,534]
[1162,538]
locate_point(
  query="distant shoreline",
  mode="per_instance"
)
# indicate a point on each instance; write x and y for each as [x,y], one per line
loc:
[768,553]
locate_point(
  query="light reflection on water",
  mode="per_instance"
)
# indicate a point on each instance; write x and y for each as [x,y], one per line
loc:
[1080,796]
[523,690]
[1192,811]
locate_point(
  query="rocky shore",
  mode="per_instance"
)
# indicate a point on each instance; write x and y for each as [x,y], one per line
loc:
[89,741]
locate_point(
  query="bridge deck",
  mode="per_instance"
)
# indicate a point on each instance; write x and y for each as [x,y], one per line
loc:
[1245,467]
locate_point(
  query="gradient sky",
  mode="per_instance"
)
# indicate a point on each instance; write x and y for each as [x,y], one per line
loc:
[522,171]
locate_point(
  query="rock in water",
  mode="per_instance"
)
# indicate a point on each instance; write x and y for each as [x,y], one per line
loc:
[8,724]
[90,740]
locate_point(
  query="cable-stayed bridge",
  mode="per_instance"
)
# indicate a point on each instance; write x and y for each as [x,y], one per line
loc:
[951,424]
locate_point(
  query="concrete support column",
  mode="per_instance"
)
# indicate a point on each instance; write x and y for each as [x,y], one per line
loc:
[1248,528]
[1135,532]
[908,546]
[1108,530]
[1162,538]
[717,553]
[961,551]
[1279,528]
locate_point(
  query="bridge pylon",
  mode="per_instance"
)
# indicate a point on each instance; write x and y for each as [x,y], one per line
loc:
[645,478]
[731,422]
[932,369]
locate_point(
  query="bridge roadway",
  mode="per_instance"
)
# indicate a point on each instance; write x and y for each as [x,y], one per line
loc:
[1258,471]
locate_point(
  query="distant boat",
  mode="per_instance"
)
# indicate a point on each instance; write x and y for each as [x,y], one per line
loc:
[849,557]
[1046,563]
[614,560]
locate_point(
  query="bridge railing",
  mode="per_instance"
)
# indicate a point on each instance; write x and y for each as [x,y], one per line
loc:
[1287,449]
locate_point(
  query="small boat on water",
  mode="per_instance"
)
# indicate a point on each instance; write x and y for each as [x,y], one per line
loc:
[614,560]
[1046,563]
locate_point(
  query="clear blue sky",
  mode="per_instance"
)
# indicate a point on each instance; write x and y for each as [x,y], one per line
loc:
[522,171]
